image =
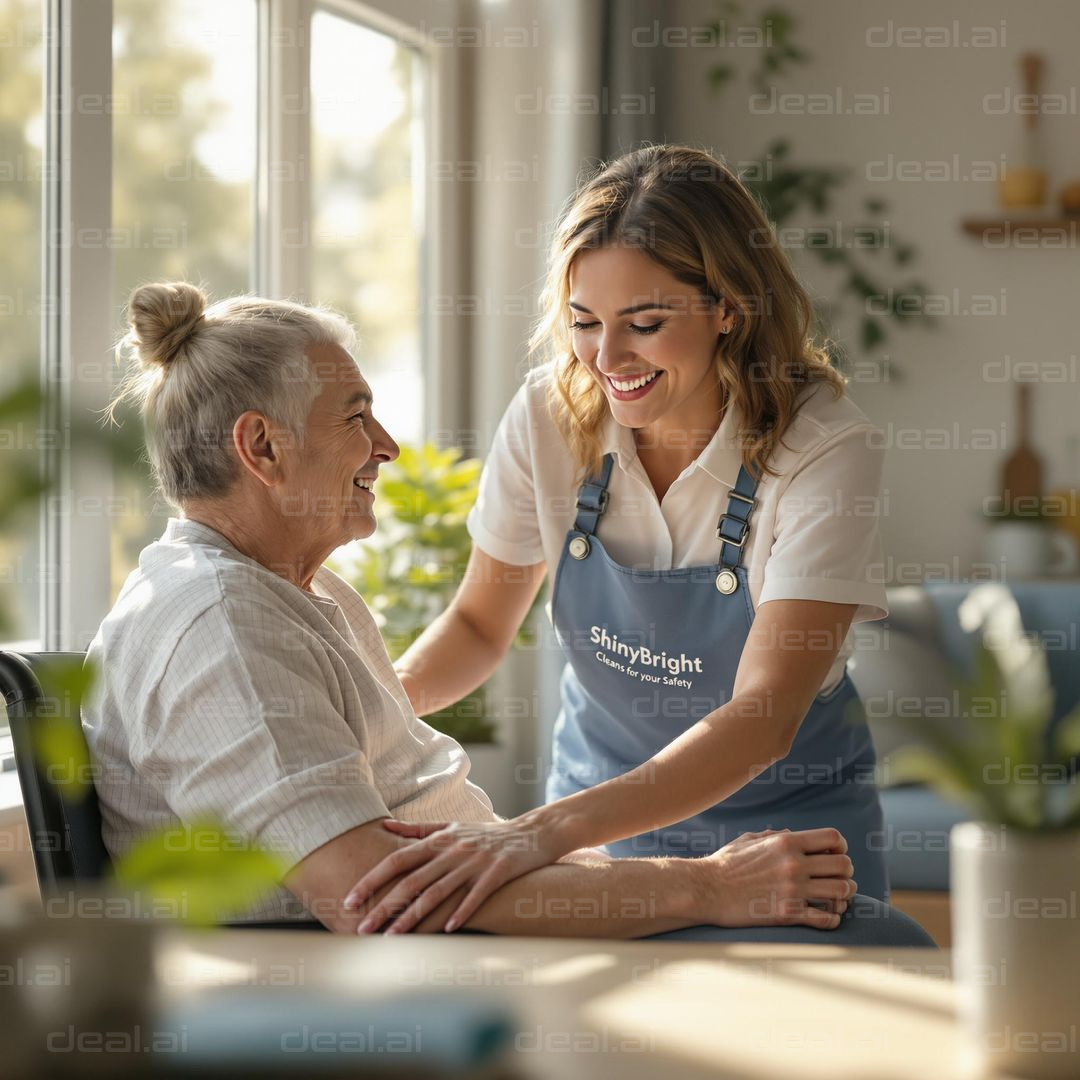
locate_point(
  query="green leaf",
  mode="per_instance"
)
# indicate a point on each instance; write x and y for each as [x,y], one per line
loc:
[999,767]
[58,741]
[60,748]
[720,75]
[779,21]
[1067,737]
[945,775]
[872,334]
[22,402]
[206,873]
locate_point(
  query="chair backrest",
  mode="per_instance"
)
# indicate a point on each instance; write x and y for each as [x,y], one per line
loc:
[62,810]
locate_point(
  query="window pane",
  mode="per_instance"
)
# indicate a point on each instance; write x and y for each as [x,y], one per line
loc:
[21,143]
[184,152]
[367,206]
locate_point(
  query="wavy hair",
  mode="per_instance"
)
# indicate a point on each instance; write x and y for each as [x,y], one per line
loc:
[689,213]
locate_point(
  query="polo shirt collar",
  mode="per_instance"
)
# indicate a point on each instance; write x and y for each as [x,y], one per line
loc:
[184,530]
[721,457]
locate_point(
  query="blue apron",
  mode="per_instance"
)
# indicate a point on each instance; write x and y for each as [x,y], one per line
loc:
[651,652]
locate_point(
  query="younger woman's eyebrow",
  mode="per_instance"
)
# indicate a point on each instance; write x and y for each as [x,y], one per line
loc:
[629,310]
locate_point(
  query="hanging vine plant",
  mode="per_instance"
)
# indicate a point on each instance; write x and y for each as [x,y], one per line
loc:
[787,190]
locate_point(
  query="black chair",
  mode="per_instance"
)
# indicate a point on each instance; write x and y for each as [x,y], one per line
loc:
[64,819]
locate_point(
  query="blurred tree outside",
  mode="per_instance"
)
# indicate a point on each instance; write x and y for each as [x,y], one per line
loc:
[366,206]
[184,134]
[21,137]
[178,214]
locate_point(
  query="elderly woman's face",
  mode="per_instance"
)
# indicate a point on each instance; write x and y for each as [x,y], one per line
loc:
[331,473]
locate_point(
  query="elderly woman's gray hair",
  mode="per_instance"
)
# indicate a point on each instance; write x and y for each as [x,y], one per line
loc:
[197,369]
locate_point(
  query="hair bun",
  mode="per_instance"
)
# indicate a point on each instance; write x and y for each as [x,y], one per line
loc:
[163,317]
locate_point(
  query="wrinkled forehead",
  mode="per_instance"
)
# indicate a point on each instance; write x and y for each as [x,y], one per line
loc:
[341,383]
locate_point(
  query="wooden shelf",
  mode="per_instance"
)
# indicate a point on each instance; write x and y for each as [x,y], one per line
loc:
[1035,229]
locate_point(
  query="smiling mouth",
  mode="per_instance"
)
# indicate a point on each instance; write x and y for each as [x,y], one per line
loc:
[626,385]
[364,483]
[628,389]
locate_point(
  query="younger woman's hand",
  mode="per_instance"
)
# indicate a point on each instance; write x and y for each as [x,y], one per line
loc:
[449,855]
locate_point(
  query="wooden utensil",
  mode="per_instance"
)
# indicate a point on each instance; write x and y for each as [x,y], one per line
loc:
[1022,471]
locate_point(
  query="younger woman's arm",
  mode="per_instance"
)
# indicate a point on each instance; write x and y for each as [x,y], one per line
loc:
[461,649]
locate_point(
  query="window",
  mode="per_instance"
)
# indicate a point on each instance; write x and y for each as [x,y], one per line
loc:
[21,141]
[183,183]
[193,99]
[367,210]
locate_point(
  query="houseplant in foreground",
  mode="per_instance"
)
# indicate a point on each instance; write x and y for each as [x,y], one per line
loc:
[1015,868]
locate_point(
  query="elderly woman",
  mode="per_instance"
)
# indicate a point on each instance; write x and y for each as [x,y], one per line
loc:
[240,678]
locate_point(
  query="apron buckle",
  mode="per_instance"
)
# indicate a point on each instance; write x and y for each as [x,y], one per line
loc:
[743,527]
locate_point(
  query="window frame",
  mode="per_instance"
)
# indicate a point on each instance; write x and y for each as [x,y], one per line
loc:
[77,277]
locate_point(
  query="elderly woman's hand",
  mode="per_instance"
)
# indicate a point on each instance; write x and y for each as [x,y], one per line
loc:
[483,856]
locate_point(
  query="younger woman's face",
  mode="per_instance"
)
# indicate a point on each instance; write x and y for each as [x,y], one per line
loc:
[648,340]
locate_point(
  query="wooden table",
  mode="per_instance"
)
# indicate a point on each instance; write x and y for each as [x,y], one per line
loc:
[631,1009]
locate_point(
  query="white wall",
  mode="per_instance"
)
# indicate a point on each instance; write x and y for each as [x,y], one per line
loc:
[935,111]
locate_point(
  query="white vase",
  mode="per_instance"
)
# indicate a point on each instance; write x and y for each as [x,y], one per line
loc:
[1016,949]
[1026,550]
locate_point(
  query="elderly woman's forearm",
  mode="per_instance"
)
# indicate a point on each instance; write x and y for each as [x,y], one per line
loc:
[620,898]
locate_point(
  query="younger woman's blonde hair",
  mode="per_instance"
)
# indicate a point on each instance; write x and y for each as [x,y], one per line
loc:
[689,213]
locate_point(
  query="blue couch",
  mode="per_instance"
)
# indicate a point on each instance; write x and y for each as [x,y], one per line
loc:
[906,661]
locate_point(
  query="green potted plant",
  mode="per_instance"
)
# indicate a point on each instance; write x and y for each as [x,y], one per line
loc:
[411,567]
[1015,868]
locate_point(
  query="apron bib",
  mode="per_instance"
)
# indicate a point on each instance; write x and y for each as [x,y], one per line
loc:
[651,652]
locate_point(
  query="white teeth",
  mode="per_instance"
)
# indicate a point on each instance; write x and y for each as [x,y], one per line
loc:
[634,384]
[362,483]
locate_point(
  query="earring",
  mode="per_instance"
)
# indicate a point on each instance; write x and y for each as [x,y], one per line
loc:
[725,329]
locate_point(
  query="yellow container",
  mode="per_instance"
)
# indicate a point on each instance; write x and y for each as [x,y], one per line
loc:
[1023,187]
[1062,507]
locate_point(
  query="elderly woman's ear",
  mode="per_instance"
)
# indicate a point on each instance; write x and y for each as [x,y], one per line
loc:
[257,446]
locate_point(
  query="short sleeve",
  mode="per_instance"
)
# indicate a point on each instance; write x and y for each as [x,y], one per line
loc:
[827,541]
[249,732]
[503,521]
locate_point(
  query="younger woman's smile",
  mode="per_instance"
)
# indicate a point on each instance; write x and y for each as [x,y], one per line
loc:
[632,387]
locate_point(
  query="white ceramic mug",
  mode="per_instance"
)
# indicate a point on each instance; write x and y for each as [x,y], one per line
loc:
[1030,549]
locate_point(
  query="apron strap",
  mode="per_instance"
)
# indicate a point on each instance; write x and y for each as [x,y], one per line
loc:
[731,530]
[734,523]
[592,498]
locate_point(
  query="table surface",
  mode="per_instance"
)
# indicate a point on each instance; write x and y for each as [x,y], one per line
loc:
[651,1010]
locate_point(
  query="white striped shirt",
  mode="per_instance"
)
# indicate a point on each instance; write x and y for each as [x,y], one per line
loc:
[225,690]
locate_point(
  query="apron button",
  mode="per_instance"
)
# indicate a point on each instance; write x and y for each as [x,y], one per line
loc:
[727,582]
[579,547]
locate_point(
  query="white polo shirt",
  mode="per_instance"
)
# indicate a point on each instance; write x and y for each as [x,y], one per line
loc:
[225,691]
[814,533]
